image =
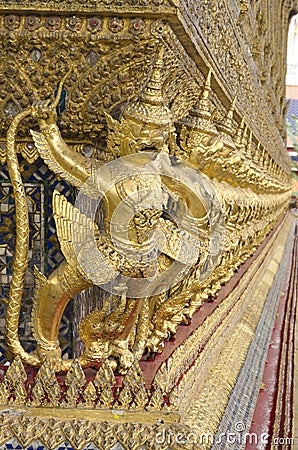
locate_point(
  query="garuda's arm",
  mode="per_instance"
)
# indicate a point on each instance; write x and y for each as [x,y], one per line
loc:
[60,158]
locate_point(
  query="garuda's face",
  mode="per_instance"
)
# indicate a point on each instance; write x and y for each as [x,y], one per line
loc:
[151,139]
[193,138]
[143,137]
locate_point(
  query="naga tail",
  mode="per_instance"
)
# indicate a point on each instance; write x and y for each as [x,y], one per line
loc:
[22,239]
[21,247]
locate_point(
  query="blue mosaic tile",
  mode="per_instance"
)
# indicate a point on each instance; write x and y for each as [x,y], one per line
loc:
[91,446]
[36,446]
[64,446]
[12,444]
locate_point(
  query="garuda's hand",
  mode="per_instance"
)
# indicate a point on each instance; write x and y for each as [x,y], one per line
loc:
[44,112]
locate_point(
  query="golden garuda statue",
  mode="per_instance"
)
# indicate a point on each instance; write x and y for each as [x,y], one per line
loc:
[140,224]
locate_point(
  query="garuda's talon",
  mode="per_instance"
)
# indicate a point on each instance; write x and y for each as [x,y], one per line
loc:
[49,350]
[123,355]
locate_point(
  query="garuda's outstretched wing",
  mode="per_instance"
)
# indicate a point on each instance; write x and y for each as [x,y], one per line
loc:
[80,240]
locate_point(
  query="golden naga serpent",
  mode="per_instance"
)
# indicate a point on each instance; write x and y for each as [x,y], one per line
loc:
[22,237]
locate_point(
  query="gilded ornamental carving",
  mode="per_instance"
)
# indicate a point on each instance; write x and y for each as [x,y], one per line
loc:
[167,121]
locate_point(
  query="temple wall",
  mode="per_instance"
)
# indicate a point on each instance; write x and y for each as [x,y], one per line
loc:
[201,83]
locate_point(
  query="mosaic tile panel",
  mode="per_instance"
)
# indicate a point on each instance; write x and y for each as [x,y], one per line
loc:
[44,250]
[11,445]
[14,445]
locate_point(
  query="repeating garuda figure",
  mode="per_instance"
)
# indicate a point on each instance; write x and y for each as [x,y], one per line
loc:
[121,331]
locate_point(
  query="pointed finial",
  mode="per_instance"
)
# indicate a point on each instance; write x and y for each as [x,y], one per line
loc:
[249,145]
[149,107]
[257,154]
[227,124]
[239,132]
[230,114]
[152,92]
[199,117]
[207,86]
[244,135]
[203,105]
